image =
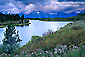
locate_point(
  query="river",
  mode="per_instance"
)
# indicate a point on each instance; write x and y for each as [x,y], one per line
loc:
[36,28]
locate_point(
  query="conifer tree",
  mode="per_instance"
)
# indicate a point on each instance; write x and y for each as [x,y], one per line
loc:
[22,18]
[11,42]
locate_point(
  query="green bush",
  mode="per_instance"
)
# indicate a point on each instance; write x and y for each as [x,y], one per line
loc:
[11,40]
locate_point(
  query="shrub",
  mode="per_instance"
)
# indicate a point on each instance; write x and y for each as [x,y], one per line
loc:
[11,40]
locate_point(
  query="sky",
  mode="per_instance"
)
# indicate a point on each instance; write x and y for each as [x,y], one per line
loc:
[49,6]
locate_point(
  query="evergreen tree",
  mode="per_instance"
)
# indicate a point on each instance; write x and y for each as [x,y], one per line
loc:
[12,17]
[17,17]
[11,42]
[22,18]
[9,16]
[0,17]
[4,19]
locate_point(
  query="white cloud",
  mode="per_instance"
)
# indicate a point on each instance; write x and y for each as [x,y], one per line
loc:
[27,6]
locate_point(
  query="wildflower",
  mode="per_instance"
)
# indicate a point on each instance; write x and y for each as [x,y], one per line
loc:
[46,51]
[65,53]
[26,55]
[74,46]
[23,52]
[58,56]
[69,46]
[15,55]
[1,54]
[51,53]
[83,46]
[9,54]
[65,46]
[55,52]
[5,54]
[29,54]
[32,53]
[72,49]
[36,54]
[40,53]
[59,49]
[81,43]
[27,50]
[78,49]
[55,49]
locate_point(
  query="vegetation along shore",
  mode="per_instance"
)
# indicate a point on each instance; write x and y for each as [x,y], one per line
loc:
[68,41]
[14,19]
[73,18]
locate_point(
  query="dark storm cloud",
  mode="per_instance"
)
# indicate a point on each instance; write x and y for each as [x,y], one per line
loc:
[3,2]
[26,2]
[72,0]
[27,6]
[11,6]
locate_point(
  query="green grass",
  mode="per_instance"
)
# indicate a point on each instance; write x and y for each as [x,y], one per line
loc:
[80,53]
[68,35]
[65,38]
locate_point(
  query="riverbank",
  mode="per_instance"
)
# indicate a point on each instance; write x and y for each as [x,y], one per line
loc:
[68,41]
[71,35]
[15,23]
[77,28]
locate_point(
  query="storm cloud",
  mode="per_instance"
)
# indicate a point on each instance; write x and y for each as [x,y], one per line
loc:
[27,6]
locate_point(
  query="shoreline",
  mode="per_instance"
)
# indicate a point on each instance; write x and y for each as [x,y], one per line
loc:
[67,29]
[5,25]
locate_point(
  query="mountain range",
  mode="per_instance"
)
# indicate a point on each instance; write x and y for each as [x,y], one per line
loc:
[42,14]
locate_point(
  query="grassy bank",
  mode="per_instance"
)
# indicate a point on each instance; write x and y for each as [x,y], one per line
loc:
[68,41]
[70,35]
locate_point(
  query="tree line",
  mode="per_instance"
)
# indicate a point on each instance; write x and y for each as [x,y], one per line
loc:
[11,17]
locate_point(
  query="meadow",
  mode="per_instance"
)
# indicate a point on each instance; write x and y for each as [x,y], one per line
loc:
[68,41]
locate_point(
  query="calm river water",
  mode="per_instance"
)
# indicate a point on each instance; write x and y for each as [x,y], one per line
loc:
[36,28]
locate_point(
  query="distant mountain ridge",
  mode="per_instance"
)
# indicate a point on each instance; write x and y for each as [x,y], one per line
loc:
[42,14]
[82,12]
